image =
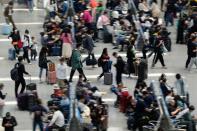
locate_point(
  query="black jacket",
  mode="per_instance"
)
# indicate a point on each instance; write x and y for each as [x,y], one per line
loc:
[10,120]
[21,71]
[88,43]
[43,61]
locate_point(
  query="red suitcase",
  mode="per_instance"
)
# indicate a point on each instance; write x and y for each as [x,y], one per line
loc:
[51,77]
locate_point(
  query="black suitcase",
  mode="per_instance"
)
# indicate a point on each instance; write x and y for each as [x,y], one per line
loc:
[143,70]
[22,101]
[31,101]
[108,78]
[31,87]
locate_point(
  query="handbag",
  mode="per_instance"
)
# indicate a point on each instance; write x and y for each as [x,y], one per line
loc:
[20,44]
[91,61]
[2,102]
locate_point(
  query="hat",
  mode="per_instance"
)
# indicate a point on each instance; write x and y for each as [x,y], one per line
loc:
[55,86]
[115,14]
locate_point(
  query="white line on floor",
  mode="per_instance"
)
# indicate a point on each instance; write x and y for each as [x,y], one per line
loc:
[10,103]
[27,10]
[30,23]
[89,76]
[5,40]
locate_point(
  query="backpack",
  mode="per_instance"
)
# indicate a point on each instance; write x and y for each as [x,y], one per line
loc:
[14,72]
[99,62]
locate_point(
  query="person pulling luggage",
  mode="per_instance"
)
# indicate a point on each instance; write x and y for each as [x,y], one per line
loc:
[20,78]
[88,44]
[104,62]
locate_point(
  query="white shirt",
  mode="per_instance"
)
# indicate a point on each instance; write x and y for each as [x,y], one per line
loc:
[58,119]
[25,41]
[61,71]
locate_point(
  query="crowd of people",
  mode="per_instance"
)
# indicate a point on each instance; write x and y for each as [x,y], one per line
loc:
[114,23]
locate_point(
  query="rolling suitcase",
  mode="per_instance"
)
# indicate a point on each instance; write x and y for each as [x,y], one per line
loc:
[51,77]
[11,54]
[6,29]
[22,101]
[108,78]
[51,66]
[56,51]
[31,100]
[31,87]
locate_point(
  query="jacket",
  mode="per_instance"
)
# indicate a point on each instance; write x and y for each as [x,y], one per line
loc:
[88,43]
[76,59]
[21,71]
[42,63]
[8,12]
[10,120]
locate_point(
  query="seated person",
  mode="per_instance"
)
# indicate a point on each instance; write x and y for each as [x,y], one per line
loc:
[173,108]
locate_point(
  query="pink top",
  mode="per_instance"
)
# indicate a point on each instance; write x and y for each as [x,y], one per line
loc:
[66,39]
[87,16]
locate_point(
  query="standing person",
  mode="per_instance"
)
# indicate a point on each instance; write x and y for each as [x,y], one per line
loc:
[2,97]
[9,122]
[130,59]
[189,50]
[15,36]
[20,80]
[180,86]
[26,45]
[66,37]
[159,43]
[61,72]
[193,52]
[38,111]
[105,62]
[76,63]
[30,5]
[8,12]
[34,48]
[88,44]
[42,62]
[119,69]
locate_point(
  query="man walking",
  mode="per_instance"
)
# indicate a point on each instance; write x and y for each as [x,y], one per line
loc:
[38,111]
[20,80]
[8,12]
[193,52]
[88,44]
[76,63]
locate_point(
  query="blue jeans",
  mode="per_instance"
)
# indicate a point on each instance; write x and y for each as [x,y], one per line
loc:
[30,4]
[40,74]
[39,123]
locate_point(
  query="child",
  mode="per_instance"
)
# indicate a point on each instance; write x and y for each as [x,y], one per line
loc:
[34,49]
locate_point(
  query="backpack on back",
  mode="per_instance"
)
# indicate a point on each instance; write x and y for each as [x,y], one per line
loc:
[14,72]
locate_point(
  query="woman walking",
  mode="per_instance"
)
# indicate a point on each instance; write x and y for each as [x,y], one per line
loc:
[43,62]
[105,63]
[15,36]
